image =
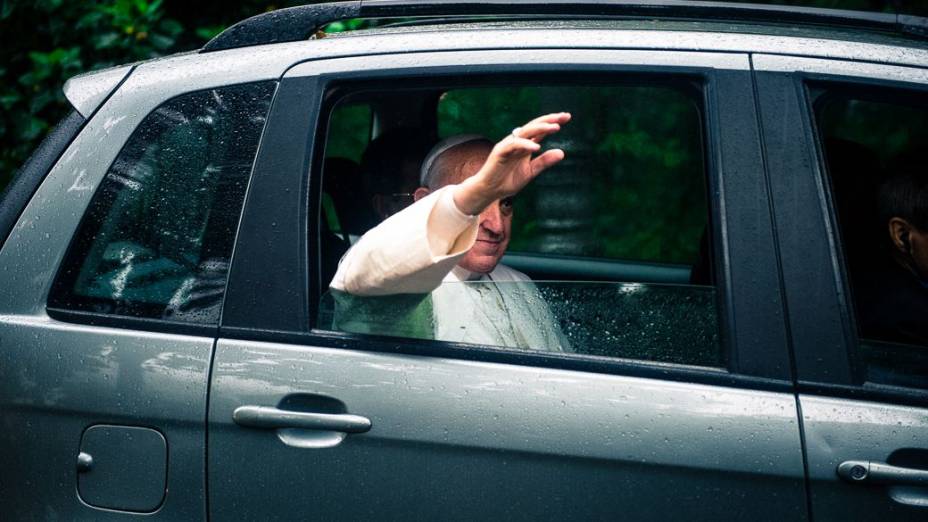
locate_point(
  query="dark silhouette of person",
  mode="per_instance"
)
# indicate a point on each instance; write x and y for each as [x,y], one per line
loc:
[892,295]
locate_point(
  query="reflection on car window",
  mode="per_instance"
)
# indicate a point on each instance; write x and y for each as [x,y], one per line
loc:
[624,320]
[621,223]
[158,234]
[874,141]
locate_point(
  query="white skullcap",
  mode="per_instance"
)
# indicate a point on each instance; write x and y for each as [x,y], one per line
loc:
[441,147]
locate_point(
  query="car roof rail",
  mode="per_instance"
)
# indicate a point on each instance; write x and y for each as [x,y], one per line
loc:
[298,23]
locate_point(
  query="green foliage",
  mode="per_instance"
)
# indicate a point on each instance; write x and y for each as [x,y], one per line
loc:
[45,42]
[352,24]
[887,130]
[349,131]
[50,41]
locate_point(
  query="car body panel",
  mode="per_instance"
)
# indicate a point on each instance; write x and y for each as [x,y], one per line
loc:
[892,425]
[466,440]
[58,378]
[462,438]
[838,430]
[457,435]
[87,91]
[564,37]
[253,61]
[853,71]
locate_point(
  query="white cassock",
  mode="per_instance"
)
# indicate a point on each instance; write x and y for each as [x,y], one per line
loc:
[416,252]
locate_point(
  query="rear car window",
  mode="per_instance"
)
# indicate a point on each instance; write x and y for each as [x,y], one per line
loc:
[158,234]
[614,242]
[874,140]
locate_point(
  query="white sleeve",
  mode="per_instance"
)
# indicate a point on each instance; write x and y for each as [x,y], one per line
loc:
[411,251]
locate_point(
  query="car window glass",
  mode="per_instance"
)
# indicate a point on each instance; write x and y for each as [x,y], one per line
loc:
[350,131]
[608,249]
[873,141]
[636,188]
[348,136]
[624,320]
[158,233]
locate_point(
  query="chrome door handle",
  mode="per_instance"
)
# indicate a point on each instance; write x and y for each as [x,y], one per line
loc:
[273,418]
[881,473]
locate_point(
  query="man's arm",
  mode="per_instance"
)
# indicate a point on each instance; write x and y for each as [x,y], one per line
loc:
[411,251]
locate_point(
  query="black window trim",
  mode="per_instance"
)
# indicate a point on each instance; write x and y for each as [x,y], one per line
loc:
[279,317]
[869,89]
[131,323]
[26,180]
[821,346]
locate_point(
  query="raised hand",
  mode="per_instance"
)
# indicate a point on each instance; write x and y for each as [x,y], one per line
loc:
[510,165]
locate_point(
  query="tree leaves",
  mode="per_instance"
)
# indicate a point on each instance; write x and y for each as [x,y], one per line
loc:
[54,40]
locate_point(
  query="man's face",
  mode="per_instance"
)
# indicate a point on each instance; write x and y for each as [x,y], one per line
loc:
[495,225]
[492,238]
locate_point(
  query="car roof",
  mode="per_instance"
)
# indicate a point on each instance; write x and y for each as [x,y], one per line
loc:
[302,22]
[263,62]
[838,33]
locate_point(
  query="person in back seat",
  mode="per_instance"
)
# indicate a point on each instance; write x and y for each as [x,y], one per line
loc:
[892,298]
[390,169]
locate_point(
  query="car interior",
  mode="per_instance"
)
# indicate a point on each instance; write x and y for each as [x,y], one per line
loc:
[627,208]
[360,117]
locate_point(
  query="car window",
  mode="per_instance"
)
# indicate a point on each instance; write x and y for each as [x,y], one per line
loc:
[641,192]
[873,139]
[158,234]
[623,320]
[608,249]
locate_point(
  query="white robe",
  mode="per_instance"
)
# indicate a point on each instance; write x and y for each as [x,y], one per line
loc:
[416,251]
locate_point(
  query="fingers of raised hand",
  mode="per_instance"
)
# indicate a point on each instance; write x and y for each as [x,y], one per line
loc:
[559,118]
[543,161]
[542,126]
[535,130]
[517,147]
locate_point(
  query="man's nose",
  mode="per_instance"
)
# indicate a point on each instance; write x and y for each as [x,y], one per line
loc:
[491,219]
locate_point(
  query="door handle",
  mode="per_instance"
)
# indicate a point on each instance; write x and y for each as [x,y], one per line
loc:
[274,418]
[864,471]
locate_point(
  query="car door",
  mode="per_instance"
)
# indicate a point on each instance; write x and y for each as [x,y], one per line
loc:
[112,280]
[307,422]
[834,131]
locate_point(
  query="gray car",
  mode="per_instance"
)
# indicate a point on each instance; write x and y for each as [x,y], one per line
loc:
[169,348]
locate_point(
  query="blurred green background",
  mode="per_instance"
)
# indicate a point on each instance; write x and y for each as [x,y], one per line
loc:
[45,42]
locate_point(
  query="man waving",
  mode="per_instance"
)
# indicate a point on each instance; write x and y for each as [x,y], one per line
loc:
[447,246]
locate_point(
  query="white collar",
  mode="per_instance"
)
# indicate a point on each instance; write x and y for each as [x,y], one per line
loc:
[462,274]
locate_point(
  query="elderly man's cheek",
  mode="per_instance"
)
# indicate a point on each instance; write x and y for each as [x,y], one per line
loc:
[483,256]
[487,248]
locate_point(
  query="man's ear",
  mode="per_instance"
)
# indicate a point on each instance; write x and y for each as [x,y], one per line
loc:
[899,232]
[420,193]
